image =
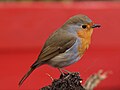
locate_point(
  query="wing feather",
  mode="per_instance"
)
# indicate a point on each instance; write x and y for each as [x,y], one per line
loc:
[57,46]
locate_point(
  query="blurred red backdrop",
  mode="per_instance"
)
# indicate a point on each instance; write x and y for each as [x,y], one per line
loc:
[24,27]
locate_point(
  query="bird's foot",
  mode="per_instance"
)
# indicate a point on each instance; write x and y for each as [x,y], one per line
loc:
[66,71]
[67,75]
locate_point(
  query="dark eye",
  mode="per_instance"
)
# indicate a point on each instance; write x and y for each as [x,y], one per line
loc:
[84,26]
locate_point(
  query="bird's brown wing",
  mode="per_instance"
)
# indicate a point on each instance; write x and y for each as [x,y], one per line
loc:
[51,49]
[54,46]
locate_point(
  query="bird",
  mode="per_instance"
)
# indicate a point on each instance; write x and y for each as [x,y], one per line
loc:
[66,45]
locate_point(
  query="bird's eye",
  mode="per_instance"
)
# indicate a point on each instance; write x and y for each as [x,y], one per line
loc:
[84,26]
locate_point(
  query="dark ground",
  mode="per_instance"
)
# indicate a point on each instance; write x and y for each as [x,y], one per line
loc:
[66,82]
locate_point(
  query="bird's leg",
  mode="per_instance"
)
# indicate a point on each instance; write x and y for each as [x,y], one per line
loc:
[66,70]
[61,71]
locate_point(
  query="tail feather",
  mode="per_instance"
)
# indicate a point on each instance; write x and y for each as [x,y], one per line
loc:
[25,76]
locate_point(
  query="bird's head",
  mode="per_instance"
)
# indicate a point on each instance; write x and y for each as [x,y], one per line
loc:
[80,24]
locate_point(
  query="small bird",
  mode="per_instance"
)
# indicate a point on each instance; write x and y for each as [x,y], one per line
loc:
[66,45]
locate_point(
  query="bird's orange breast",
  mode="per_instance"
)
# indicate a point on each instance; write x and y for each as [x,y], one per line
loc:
[85,37]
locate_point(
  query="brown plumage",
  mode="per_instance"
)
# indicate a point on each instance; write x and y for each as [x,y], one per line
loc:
[66,45]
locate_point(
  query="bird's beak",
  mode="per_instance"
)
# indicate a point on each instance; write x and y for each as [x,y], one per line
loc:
[96,25]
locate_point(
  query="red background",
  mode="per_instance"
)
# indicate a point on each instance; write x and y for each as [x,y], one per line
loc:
[24,27]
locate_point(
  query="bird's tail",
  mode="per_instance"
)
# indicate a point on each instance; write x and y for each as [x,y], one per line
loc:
[25,76]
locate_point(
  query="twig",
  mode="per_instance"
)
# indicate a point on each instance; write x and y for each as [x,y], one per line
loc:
[95,79]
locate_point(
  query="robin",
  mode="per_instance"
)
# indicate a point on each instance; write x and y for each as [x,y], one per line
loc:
[65,46]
